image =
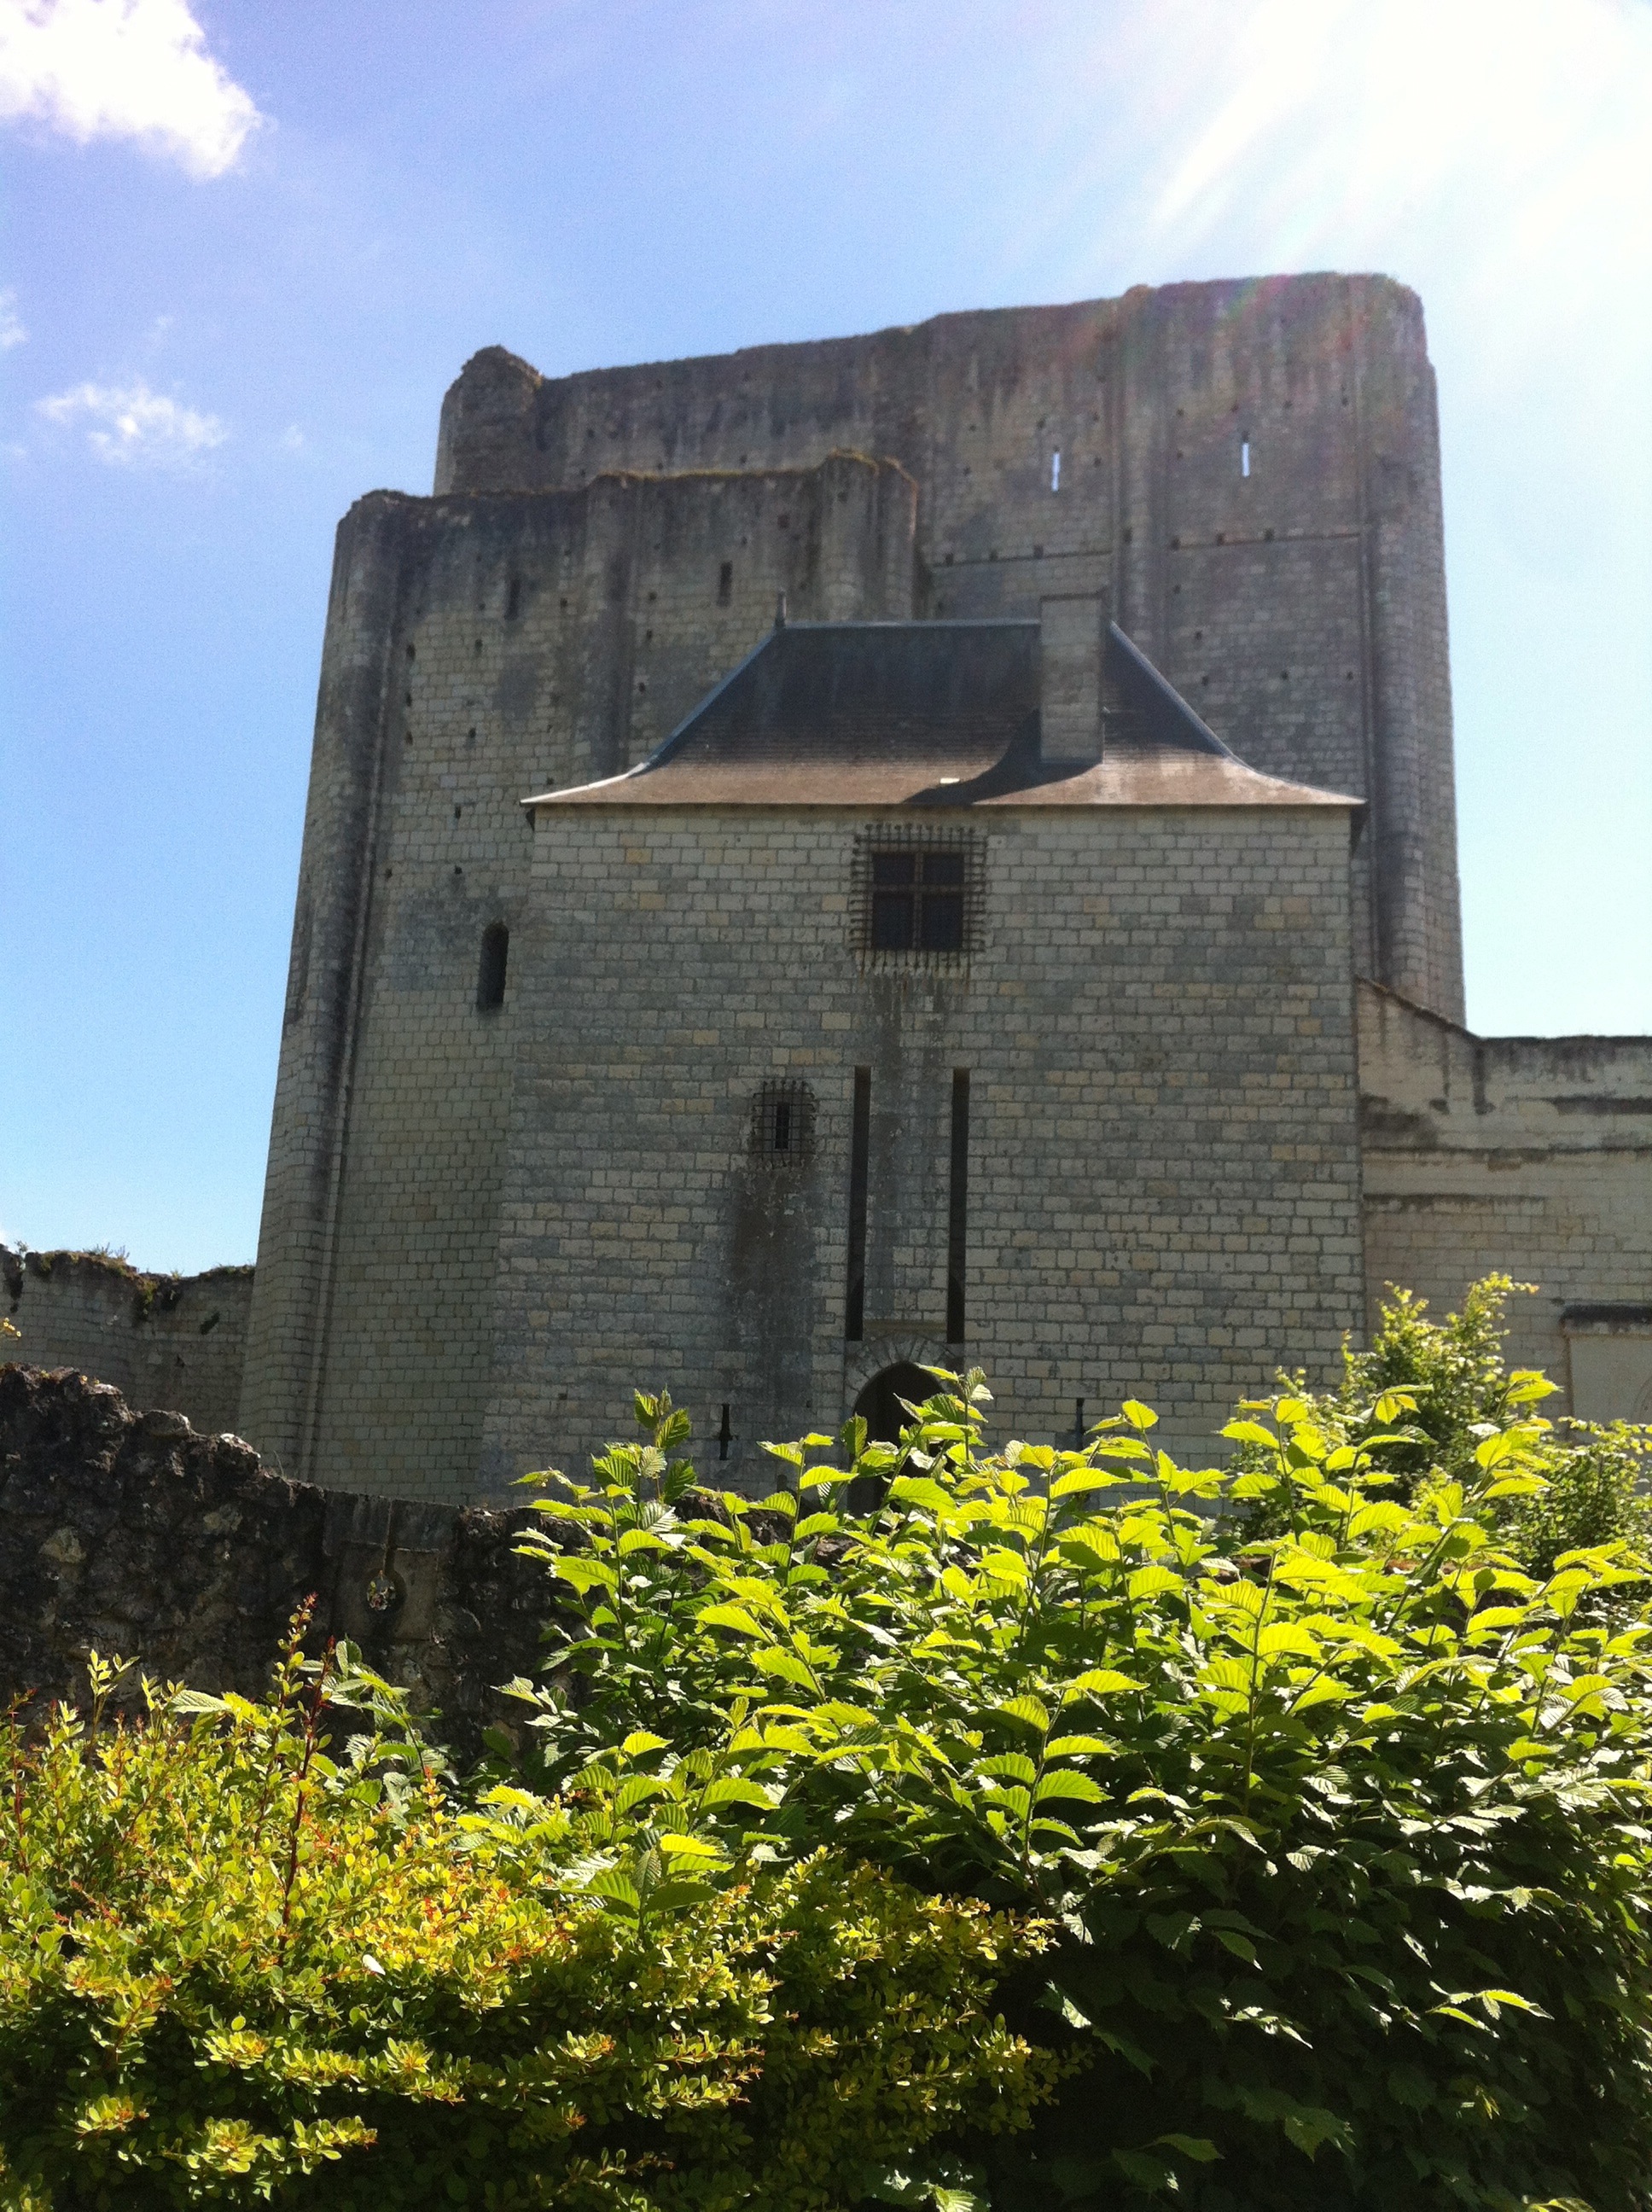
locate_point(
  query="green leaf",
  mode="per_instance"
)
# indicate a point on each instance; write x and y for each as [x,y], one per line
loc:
[1066,1781]
[1194,2146]
[1145,2171]
[919,1490]
[641,1741]
[1310,2127]
[617,1887]
[1283,1638]
[585,1573]
[1099,1545]
[1008,1767]
[688,1847]
[1085,1478]
[1153,1581]
[735,1789]
[1250,1432]
[1028,1709]
[1138,1415]
[728,1616]
[1101,1682]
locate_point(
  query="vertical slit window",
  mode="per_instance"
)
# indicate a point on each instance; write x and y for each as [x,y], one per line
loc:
[724,583]
[957,1209]
[490,970]
[854,1299]
[1244,457]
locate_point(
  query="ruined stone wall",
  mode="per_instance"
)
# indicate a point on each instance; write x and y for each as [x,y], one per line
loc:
[1162,1170]
[172,1340]
[128,1534]
[1248,476]
[479,648]
[1528,1156]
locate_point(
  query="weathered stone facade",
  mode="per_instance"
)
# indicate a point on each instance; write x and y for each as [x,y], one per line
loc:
[131,1534]
[1163,1157]
[526,1046]
[170,1341]
[1530,1157]
[1248,475]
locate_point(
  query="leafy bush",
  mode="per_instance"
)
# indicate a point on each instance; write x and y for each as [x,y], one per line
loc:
[1458,1391]
[1343,1826]
[235,1969]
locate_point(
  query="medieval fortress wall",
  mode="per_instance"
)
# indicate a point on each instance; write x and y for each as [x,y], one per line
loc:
[1245,476]
[478,649]
[1530,1157]
[1164,1169]
[1249,476]
[161,1339]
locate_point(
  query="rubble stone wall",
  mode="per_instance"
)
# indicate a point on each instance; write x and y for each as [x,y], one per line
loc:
[128,1533]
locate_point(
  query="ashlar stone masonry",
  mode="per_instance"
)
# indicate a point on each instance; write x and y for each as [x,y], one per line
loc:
[902,849]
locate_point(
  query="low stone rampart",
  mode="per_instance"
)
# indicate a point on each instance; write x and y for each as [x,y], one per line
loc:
[130,1533]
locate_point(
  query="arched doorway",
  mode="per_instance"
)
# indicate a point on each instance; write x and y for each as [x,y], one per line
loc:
[879,1404]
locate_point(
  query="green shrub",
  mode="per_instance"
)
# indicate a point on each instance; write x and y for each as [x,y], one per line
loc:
[1343,1826]
[1458,1393]
[237,1969]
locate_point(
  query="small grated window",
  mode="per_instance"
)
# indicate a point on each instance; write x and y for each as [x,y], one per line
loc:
[920,896]
[783,1124]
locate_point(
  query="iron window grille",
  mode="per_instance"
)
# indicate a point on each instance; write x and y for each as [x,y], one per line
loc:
[783,1124]
[919,896]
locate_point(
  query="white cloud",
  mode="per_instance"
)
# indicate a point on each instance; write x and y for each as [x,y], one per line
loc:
[292,440]
[134,424]
[123,69]
[12,332]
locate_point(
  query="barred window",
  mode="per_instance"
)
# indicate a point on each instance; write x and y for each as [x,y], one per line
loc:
[783,1124]
[920,894]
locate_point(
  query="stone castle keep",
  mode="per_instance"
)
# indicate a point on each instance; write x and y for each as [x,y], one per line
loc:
[933,847]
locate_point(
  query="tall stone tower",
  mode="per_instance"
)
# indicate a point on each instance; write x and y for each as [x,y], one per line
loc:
[1248,475]
[1243,477]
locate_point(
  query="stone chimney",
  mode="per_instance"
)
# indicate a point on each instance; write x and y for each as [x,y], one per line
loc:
[1072,630]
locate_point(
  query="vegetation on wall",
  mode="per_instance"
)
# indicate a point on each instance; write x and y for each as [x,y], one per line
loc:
[954,1826]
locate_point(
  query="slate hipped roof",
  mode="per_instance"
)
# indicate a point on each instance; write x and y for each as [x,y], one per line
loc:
[930,713]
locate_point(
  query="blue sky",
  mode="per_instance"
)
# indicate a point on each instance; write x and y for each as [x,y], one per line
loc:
[248,246]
